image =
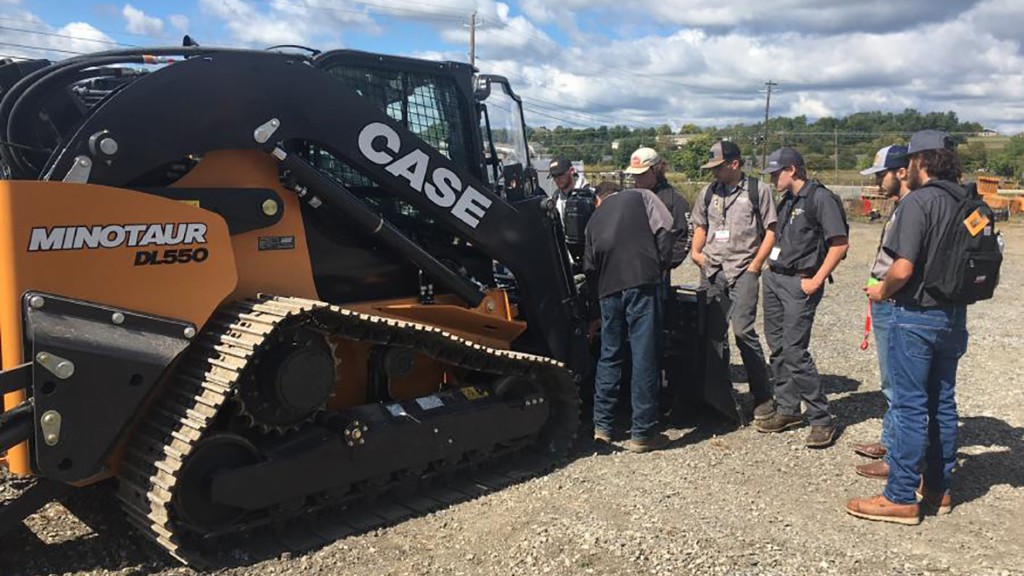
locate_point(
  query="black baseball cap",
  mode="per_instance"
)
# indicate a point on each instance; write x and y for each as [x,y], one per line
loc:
[782,158]
[559,165]
[930,140]
[722,151]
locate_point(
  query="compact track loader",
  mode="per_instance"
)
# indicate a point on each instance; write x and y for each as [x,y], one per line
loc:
[244,285]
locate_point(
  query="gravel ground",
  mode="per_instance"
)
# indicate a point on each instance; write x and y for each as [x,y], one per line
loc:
[719,501]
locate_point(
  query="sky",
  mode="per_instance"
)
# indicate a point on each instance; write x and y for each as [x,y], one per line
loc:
[584,63]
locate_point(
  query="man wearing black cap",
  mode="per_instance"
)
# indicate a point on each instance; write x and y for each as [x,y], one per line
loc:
[928,337]
[566,179]
[810,242]
[574,200]
[734,230]
[890,171]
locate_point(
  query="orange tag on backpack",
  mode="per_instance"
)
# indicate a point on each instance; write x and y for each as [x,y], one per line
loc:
[976,222]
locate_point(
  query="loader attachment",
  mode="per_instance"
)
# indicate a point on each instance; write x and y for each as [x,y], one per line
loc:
[694,362]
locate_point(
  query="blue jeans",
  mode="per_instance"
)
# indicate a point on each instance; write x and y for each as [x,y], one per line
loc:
[881,318]
[925,346]
[632,313]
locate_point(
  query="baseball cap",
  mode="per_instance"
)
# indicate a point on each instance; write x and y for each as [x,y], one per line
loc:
[782,158]
[559,165]
[930,140]
[642,160]
[722,151]
[888,158]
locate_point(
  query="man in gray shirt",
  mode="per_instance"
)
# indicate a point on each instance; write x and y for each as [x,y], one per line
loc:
[731,241]
[811,241]
[890,171]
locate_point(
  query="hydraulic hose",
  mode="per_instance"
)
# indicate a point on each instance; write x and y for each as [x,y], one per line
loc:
[15,426]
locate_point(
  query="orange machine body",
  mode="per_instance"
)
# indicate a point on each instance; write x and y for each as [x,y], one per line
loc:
[87,244]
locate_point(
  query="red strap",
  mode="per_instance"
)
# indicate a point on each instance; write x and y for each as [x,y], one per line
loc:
[867,328]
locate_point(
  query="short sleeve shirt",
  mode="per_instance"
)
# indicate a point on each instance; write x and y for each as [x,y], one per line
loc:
[922,217]
[731,225]
[799,244]
[883,260]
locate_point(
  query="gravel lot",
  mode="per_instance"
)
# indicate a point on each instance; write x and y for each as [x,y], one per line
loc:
[719,501]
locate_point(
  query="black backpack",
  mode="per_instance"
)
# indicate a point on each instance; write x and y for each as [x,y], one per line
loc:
[755,201]
[579,207]
[970,252]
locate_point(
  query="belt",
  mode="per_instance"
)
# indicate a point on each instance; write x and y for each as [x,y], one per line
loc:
[804,273]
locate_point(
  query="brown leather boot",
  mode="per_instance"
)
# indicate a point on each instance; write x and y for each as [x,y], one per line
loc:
[877,470]
[872,450]
[881,509]
[934,501]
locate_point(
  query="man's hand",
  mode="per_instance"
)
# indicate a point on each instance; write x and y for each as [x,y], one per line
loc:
[874,292]
[698,259]
[755,268]
[809,286]
[594,330]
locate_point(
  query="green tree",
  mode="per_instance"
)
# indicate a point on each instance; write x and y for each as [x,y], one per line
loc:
[973,156]
[1009,162]
[689,157]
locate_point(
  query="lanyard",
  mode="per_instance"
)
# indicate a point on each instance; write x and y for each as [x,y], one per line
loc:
[725,207]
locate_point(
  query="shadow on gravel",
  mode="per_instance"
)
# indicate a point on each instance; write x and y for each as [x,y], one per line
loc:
[836,384]
[856,408]
[1002,461]
[111,545]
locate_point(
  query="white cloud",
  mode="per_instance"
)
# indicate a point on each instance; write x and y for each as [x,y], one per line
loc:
[139,23]
[179,21]
[287,21]
[34,38]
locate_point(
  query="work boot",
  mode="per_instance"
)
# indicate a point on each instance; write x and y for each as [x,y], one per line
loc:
[873,450]
[934,501]
[882,509]
[648,444]
[821,436]
[878,470]
[779,422]
[764,410]
[602,436]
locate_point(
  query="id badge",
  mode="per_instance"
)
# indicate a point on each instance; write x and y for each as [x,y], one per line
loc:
[775,253]
[721,235]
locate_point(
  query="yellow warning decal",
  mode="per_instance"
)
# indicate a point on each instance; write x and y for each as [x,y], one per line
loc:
[474,393]
[976,222]
[193,203]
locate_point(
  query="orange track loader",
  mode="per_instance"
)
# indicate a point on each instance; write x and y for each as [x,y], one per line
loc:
[242,285]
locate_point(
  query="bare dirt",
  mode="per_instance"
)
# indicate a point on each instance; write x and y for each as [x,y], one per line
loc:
[718,501]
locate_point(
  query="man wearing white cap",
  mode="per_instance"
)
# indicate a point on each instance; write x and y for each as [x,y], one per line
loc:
[890,171]
[648,170]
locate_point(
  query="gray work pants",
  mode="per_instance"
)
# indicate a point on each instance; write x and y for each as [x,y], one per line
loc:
[788,317]
[741,299]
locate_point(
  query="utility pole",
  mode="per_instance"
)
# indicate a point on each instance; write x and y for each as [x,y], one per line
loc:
[767,102]
[472,39]
[835,142]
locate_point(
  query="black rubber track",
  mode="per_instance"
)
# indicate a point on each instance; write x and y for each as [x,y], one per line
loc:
[204,382]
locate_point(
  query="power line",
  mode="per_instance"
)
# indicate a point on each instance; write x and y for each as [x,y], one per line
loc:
[113,32]
[43,48]
[55,35]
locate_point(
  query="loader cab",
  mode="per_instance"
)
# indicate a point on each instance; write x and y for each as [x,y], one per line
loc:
[503,131]
[438,102]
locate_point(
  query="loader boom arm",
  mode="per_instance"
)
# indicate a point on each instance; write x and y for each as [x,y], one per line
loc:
[252,100]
